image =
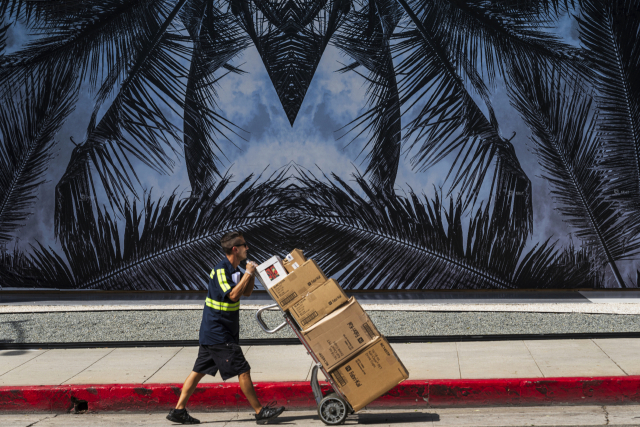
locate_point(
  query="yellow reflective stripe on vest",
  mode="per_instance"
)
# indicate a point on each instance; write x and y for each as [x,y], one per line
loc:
[223,306]
[212,273]
[222,279]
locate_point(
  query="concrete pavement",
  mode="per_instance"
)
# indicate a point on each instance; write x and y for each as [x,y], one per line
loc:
[455,374]
[462,360]
[442,417]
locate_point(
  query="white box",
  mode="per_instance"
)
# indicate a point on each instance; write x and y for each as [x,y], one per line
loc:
[272,271]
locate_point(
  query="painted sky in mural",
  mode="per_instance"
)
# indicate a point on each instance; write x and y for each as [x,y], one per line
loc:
[262,140]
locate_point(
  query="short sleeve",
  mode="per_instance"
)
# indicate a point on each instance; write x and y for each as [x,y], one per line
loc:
[224,280]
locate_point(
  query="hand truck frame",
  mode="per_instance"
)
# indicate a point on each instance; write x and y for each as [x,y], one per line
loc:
[333,408]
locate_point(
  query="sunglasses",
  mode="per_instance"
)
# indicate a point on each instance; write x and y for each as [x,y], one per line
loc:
[242,244]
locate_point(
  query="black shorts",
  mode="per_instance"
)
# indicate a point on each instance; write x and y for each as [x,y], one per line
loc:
[226,358]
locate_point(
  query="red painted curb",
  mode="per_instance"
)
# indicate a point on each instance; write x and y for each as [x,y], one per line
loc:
[298,395]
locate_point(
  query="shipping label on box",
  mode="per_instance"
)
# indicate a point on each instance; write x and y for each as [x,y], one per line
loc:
[272,271]
[296,285]
[370,374]
[341,334]
[294,260]
[318,303]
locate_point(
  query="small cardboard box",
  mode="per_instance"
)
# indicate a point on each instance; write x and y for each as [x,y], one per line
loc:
[294,260]
[318,303]
[341,334]
[370,374]
[296,285]
[272,271]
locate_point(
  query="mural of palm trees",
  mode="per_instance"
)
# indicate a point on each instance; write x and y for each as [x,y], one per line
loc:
[430,66]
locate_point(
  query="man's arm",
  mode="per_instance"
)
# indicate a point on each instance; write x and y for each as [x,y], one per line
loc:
[245,284]
[252,282]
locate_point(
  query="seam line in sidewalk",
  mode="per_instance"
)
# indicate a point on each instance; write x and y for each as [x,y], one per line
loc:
[248,348]
[534,359]
[610,358]
[168,360]
[33,358]
[75,375]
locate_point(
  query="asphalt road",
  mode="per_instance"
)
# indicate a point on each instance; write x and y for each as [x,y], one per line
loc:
[480,417]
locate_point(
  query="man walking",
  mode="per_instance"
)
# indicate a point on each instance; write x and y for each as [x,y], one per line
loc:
[220,332]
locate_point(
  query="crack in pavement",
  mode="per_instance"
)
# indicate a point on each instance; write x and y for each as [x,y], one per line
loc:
[606,415]
[45,418]
[235,417]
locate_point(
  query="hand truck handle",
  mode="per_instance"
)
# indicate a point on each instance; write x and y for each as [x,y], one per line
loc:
[263,325]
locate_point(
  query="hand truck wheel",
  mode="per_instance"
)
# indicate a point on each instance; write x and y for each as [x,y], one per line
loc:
[333,410]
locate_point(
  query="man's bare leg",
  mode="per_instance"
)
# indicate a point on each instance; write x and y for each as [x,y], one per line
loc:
[188,388]
[246,385]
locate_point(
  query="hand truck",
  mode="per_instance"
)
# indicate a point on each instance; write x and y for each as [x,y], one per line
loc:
[333,408]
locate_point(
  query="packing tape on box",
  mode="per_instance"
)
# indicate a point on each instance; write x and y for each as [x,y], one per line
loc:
[292,276]
[345,390]
[311,297]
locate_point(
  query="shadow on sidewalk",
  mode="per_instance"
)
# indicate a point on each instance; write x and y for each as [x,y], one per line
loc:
[283,419]
[19,335]
[397,418]
[382,418]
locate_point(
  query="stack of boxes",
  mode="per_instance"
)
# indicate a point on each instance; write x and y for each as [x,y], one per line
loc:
[359,359]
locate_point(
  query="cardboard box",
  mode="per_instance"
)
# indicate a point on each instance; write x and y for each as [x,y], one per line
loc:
[296,285]
[370,374]
[272,271]
[341,334]
[294,260]
[318,303]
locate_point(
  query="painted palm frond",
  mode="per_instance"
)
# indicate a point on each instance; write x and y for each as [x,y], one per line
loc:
[134,127]
[36,13]
[4,29]
[609,31]
[27,128]
[95,36]
[568,150]
[170,244]
[450,122]
[365,36]
[488,36]
[377,241]
[17,270]
[534,8]
[290,37]
[216,40]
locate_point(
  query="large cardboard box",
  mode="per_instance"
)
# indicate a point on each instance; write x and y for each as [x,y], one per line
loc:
[370,374]
[296,285]
[272,271]
[318,303]
[341,334]
[294,260]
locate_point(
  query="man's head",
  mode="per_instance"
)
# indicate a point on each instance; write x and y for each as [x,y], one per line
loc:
[233,243]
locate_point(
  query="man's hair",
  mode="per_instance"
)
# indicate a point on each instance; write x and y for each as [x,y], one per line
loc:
[229,240]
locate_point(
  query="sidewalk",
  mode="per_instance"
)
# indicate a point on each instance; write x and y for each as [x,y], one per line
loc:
[594,371]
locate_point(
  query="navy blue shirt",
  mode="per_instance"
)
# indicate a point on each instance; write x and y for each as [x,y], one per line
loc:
[221,316]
